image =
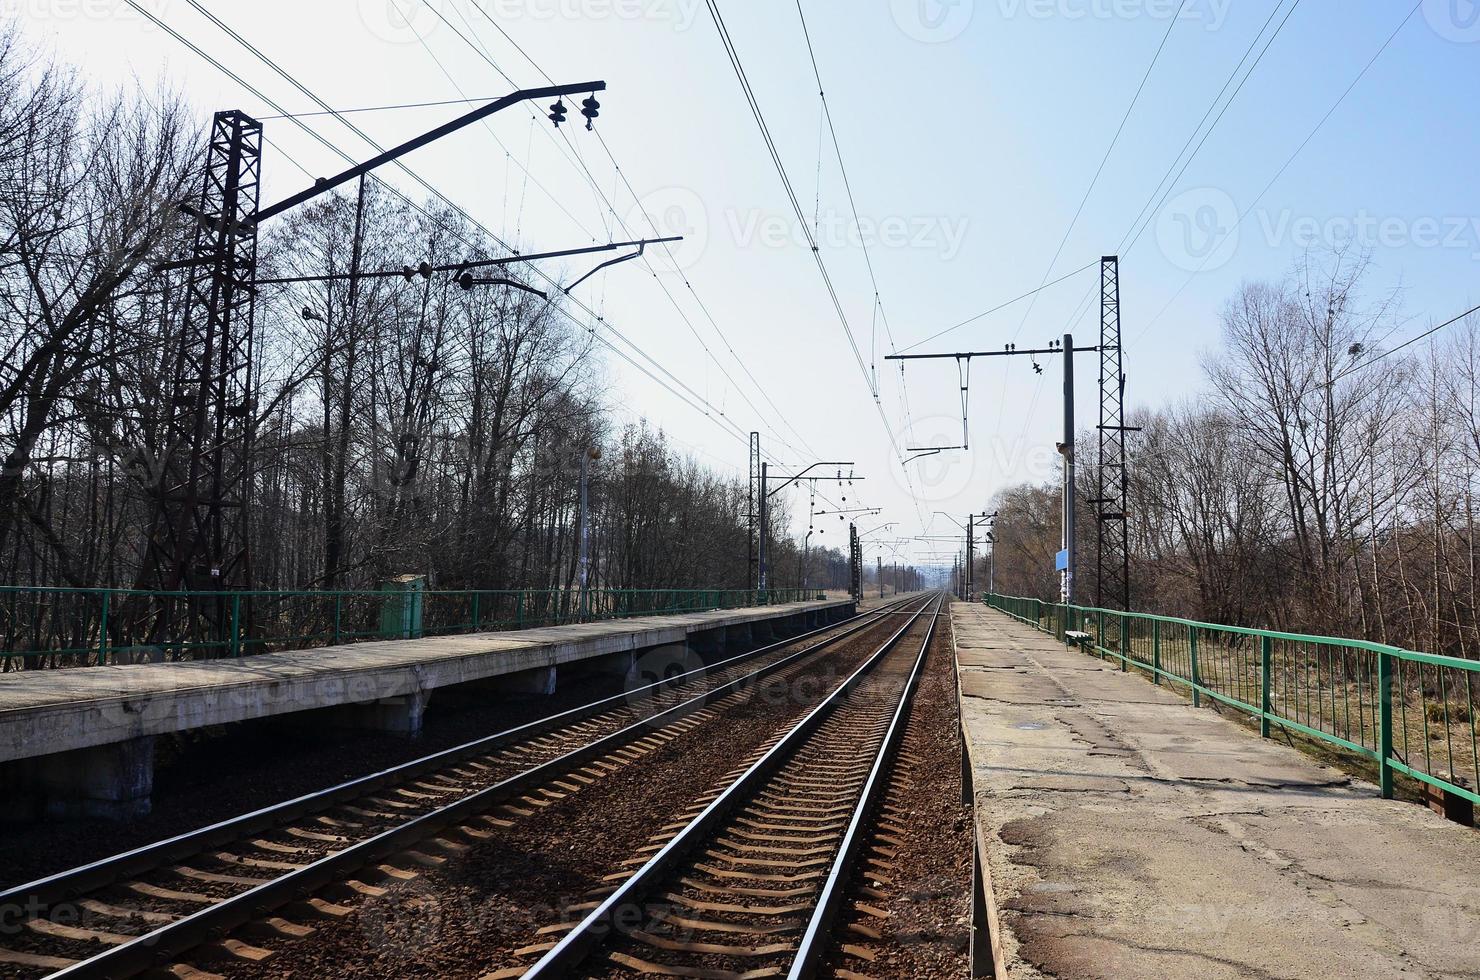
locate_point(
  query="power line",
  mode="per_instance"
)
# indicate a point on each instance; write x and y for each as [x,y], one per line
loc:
[857,222]
[754,104]
[1281,171]
[1094,181]
[1124,249]
[1151,208]
[1001,306]
[288,77]
[1407,343]
[580,162]
[374,108]
[687,394]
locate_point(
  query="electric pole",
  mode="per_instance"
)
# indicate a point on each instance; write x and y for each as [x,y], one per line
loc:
[585,534]
[1066,448]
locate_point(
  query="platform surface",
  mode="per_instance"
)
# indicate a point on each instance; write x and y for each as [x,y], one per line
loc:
[43,712]
[1131,835]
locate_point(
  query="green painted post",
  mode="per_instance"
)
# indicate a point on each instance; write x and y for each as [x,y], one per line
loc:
[519,609]
[1125,642]
[1266,671]
[477,620]
[1196,680]
[338,617]
[1156,652]
[103,631]
[1100,646]
[236,624]
[1385,724]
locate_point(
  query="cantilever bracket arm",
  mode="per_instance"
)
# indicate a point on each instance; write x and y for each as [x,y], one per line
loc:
[641,247]
[467,281]
[325,184]
[923,451]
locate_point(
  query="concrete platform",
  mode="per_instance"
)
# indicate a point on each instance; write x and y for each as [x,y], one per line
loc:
[1130,835]
[79,740]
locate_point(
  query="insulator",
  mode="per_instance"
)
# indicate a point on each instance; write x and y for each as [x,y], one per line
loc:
[465,280]
[590,108]
[557,112]
[407,272]
[425,269]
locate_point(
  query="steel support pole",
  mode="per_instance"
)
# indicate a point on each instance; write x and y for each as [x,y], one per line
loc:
[585,535]
[1066,586]
[761,534]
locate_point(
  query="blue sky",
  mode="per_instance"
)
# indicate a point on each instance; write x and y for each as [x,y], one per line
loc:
[970,132]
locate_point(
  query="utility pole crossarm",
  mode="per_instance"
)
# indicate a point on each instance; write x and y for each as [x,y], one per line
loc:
[789,480]
[467,119]
[986,353]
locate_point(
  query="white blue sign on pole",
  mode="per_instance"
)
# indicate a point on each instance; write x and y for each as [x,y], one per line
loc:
[1061,561]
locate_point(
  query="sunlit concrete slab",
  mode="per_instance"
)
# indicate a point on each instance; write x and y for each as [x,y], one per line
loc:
[1130,835]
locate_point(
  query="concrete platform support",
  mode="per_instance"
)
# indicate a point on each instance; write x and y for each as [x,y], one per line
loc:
[398,715]
[712,645]
[739,638]
[111,781]
[540,681]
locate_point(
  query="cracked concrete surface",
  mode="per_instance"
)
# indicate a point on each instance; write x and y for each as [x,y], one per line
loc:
[1132,835]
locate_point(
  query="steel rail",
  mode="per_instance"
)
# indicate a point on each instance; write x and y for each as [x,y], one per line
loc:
[816,937]
[158,946]
[591,931]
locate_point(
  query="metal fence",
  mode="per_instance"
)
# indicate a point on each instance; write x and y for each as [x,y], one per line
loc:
[1411,713]
[48,627]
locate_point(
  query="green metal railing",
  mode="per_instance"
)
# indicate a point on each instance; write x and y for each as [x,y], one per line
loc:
[1411,713]
[44,627]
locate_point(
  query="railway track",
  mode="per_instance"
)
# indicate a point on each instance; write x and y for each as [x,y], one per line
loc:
[268,870]
[751,881]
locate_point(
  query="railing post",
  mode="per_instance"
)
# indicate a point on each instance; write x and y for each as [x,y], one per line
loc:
[477,621]
[1125,634]
[1192,653]
[519,609]
[338,617]
[1156,652]
[236,624]
[103,631]
[1100,645]
[1385,724]
[1266,670]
